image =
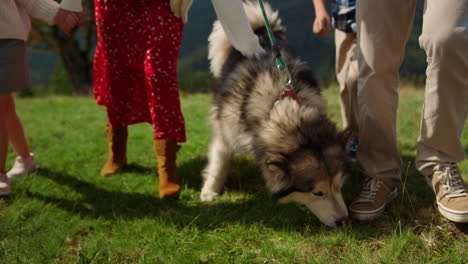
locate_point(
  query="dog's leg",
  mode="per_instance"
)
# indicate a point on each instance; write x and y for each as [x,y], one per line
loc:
[216,171]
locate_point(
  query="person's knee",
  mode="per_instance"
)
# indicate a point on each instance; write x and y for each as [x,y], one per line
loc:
[445,42]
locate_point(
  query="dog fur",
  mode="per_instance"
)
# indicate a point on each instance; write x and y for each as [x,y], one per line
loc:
[299,150]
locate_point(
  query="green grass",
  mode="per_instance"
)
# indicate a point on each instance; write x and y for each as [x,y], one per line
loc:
[67,213]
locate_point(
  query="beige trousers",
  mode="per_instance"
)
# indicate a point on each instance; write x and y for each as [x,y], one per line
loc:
[347,71]
[383,29]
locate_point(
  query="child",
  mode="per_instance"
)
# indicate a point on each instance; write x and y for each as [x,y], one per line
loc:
[344,20]
[15,25]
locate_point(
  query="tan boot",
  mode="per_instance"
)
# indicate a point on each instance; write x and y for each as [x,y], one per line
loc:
[169,185]
[117,150]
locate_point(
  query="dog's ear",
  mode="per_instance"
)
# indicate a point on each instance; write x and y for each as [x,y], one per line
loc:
[345,136]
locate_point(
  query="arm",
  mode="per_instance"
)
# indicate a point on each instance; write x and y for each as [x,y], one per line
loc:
[51,12]
[322,22]
[69,15]
[42,9]
[232,16]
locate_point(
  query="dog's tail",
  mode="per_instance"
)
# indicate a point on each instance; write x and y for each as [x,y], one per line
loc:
[219,47]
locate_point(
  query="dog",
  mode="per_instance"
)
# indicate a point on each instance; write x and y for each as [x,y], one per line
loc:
[299,150]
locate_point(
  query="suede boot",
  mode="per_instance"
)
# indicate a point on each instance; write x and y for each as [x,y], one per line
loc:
[117,137]
[169,185]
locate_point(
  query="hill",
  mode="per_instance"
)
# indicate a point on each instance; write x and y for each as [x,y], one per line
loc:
[298,16]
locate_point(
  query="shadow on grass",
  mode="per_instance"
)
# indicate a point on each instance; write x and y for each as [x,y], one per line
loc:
[412,210]
[97,203]
[136,168]
[243,174]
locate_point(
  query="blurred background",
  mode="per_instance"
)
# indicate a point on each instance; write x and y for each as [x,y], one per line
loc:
[62,65]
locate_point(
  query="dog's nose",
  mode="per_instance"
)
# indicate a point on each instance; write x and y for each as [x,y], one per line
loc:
[342,221]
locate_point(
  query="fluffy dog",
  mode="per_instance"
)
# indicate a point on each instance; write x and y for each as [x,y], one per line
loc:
[299,150]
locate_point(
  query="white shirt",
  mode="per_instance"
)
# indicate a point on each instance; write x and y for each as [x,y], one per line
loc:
[15,15]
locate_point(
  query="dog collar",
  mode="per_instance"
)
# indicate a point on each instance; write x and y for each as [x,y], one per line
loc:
[286,92]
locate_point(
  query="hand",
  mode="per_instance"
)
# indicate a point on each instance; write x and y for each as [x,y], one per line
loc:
[67,20]
[180,8]
[322,24]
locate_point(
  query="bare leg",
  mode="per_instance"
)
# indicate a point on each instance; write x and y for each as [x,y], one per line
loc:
[15,131]
[3,131]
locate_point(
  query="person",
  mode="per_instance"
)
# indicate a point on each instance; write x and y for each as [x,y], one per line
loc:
[383,29]
[15,25]
[135,78]
[346,67]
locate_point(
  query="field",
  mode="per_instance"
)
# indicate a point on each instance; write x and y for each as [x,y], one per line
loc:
[67,213]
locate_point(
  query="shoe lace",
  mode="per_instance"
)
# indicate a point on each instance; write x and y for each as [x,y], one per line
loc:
[452,181]
[22,163]
[369,191]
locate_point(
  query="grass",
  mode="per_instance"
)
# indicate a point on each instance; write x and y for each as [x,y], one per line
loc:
[67,213]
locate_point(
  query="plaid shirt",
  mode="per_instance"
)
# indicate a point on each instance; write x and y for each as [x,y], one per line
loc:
[344,15]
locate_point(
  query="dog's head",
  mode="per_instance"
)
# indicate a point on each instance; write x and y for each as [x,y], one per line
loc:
[313,179]
[303,160]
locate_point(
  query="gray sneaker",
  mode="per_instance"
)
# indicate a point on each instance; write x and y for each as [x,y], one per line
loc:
[371,202]
[4,184]
[450,191]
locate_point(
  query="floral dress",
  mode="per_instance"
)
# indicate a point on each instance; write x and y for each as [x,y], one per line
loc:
[135,65]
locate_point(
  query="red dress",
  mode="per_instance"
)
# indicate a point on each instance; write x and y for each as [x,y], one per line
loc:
[135,65]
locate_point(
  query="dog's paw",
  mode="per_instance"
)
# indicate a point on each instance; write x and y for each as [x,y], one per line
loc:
[208,196]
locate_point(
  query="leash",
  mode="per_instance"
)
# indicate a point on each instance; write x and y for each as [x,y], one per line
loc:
[288,89]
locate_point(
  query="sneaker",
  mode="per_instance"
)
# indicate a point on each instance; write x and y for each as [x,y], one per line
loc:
[4,184]
[372,200]
[23,166]
[450,191]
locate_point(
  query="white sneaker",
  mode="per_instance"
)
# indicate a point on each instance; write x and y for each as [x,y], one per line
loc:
[4,184]
[23,166]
